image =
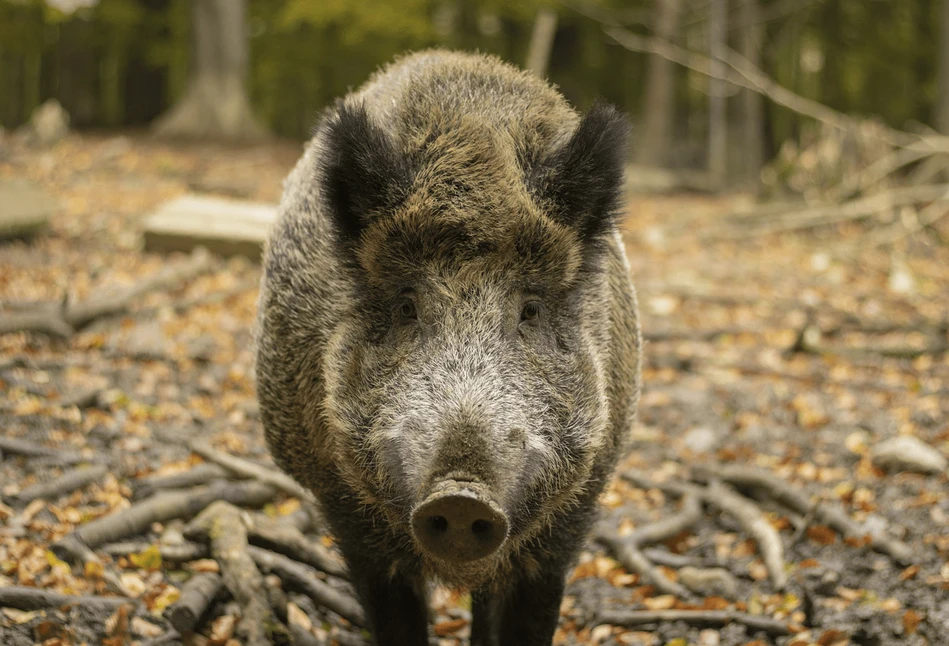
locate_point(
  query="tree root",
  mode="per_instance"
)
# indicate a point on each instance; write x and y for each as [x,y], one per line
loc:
[744,511]
[200,475]
[196,596]
[829,514]
[221,524]
[62,320]
[247,469]
[171,553]
[628,550]
[755,525]
[302,577]
[161,507]
[284,538]
[630,618]
[24,598]
[66,483]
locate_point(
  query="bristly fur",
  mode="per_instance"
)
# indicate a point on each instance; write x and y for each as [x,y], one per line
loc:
[582,181]
[468,188]
[362,174]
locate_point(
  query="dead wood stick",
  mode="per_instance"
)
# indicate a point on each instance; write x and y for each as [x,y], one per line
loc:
[305,579]
[284,538]
[755,525]
[63,320]
[745,512]
[742,73]
[826,214]
[200,475]
[161,507]
[172,553]
[694,617]
[24,598]
[828,513]
[631,556]
[222,525]
[196,595]
[248,469]
[118,301]
[697,335]
[25,447]
[64,484]
[628,549]
[47,321]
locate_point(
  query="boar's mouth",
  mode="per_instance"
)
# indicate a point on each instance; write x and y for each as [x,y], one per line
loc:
[459,522]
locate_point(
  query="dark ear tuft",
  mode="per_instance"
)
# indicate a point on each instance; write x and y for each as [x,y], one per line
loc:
[583,180]
[360,171]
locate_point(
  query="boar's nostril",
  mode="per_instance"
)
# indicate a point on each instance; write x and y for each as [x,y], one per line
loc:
[439,523]
[459,524]
[481,527]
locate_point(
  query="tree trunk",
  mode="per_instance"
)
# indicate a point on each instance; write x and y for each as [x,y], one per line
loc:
[718,117]
[215,104]
[660,92]
[752,102]
[542,41]
[942,105]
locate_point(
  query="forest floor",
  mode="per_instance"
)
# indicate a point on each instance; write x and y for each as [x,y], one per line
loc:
[776,369]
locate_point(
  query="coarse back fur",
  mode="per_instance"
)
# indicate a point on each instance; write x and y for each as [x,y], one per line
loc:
[446,294]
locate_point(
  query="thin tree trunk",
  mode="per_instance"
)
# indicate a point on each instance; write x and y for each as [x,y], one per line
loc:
[215,104]
[542,41]
[718,117]
[942,105]
[752,102]
[660,91]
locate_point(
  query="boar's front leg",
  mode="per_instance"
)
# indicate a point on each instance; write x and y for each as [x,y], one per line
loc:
[526,615]
[395,609]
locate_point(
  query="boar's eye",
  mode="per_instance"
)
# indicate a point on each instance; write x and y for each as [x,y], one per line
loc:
[530,312]
[406,310]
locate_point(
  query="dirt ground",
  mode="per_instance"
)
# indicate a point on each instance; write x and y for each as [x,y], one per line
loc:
[735,375]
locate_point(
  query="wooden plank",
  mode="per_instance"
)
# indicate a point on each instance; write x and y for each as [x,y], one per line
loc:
[24,208]
[225,227]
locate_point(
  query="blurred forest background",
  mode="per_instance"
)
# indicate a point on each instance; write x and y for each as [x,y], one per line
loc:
[125,63]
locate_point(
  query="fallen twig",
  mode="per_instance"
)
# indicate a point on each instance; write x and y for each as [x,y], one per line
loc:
[25,447]
[161,507]
[729,501]
[628,549]
[754,523]
[172,553]
[221,524]
[62,320]
[694,617]
[196,595]
[24,598]
[248,469]
[283,538]
[827,513]
[64,484]
[199,475]
[305,579]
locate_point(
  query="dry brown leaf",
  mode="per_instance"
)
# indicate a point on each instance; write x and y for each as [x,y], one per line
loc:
[450,627]
[911,621]
[222,629]
[822,535]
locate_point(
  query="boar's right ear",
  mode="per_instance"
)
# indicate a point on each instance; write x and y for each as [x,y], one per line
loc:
[582,181]
[360,171]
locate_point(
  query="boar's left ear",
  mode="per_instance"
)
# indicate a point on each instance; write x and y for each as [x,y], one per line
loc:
[582,181]
[360,171]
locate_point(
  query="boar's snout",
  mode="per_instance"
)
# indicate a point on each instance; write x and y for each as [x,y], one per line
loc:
[459,522]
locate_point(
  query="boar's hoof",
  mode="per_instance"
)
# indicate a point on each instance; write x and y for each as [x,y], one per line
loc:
[457,524]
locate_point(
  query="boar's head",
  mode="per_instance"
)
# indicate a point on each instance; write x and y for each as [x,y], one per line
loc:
[467,382]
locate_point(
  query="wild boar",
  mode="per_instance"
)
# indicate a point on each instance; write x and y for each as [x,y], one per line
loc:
[448,345]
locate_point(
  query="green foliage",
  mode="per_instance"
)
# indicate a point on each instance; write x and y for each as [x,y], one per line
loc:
[122,62]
